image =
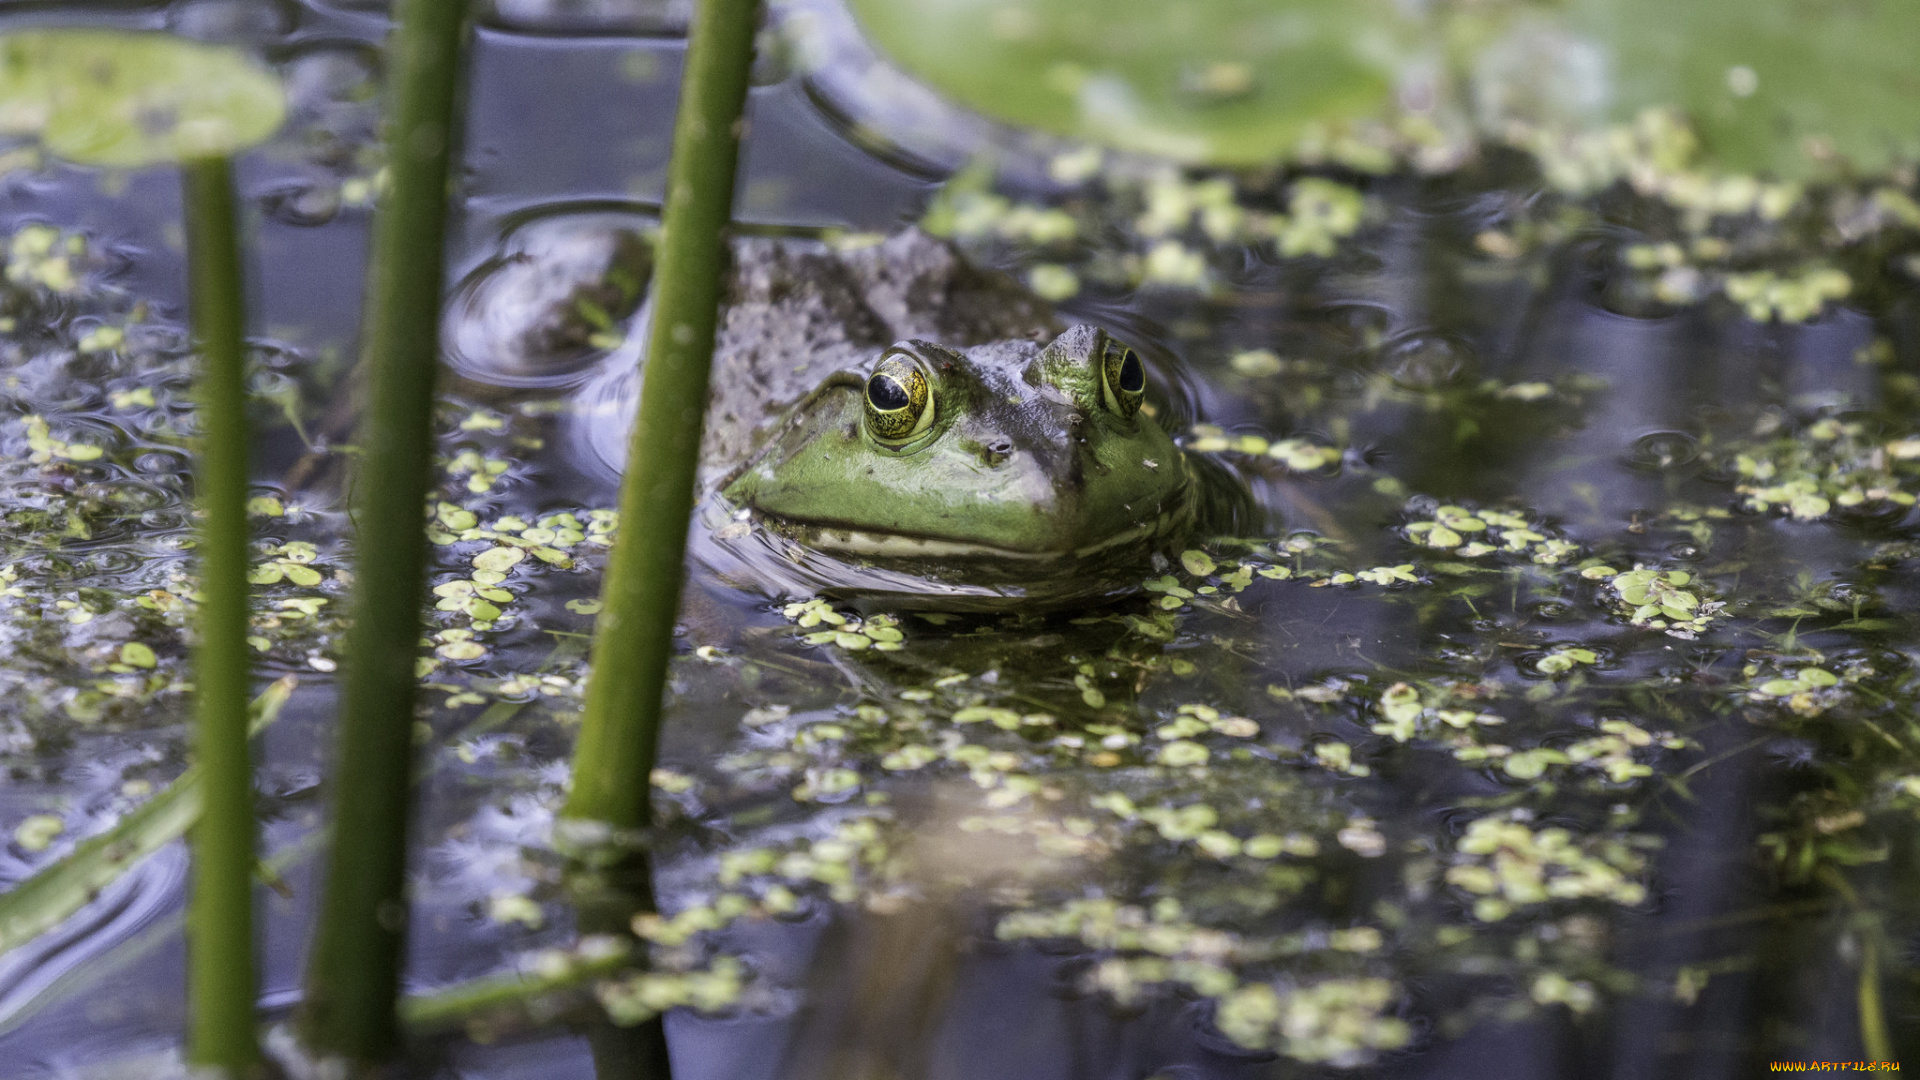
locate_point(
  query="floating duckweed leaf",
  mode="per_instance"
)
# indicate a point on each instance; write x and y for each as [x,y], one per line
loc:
[1002,718]
[1170,586]
[1183,753]
[1338,756]
[1766,296]
[1363,838]
[498,559]
[1400,705]
[1532,764]
[1257,363]
[1522,867]
[1563,660]
[1198,563]
[1803,681]
[1053,282]
[1226,81]
[1387,575]
[1264,846]
[141,397]
[460,520]
[808,613]
[1303,456]
[38,831]
[126,100]
[135,654]
[910,757]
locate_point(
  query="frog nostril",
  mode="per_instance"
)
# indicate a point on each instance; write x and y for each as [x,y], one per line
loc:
[1001,447]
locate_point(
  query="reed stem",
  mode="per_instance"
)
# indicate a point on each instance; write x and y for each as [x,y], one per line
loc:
[353,969]
[641,595]
[220,970]
[1875,1040]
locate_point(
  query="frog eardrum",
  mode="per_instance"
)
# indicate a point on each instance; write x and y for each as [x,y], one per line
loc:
[898,403]
[1123,380]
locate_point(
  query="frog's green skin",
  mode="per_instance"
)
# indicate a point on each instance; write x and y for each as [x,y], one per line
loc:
[1026,485]
[1024,463]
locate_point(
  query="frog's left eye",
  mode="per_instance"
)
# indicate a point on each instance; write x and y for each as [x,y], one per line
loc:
[899,404]
[1123,379]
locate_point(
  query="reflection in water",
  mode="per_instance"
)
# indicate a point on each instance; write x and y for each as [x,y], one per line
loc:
[558,298]
[122,911]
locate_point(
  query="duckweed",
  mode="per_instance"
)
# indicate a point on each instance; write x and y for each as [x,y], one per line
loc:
[1506,865]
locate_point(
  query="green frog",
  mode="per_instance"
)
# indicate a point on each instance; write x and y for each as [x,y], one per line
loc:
[1018,466]
[891,423]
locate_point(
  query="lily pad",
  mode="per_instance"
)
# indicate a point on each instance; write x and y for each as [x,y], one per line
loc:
[125,100]
[1776,86]
[1217,81]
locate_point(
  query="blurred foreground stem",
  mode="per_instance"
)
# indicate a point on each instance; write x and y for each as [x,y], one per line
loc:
[634,638]
[353,970]
[220,918]
[1876,1041]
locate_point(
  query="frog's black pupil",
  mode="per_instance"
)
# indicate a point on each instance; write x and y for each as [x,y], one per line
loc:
[886,393]
[1133,378]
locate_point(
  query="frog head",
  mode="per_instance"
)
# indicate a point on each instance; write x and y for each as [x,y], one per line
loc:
[1019,456]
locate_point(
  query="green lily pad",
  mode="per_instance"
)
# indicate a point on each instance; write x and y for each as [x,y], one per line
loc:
[1218,81]
[1826,75]
[1775,86]
[1778,86]
[124,100]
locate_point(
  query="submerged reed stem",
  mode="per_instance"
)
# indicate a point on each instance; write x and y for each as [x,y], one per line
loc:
[1874,1037]
[353,970]
[634,639]
[220,916]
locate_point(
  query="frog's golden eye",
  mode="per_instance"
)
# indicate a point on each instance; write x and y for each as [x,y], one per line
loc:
[899,402]
[1123,379]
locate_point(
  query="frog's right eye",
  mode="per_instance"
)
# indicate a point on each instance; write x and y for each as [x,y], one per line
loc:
[1123,380]
[899,401]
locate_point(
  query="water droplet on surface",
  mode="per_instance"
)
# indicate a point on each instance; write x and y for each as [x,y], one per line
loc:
[1659,451]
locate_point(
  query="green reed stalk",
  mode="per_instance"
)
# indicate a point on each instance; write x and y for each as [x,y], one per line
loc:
[641,595]
[220,971]
[1876,1042]
[353,968]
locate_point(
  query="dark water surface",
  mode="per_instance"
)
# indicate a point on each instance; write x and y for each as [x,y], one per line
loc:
[1589,848]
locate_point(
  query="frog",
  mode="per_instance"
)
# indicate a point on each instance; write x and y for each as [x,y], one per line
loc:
[1021,465]
[890,423]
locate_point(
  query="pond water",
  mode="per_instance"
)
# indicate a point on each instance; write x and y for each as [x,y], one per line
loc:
[1550,714]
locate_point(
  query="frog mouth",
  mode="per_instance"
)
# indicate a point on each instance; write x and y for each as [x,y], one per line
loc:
[875,544]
